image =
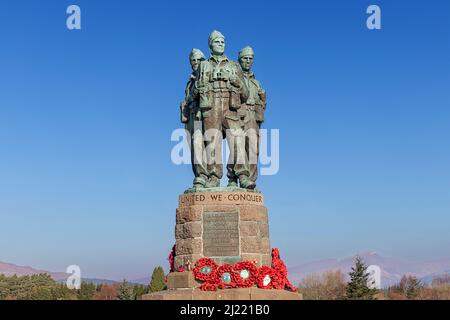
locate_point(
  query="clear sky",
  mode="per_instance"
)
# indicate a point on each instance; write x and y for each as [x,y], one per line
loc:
[86,118]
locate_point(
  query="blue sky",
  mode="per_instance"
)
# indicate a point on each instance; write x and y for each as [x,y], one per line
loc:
[86,118]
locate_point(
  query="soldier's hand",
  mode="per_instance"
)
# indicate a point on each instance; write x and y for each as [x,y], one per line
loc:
[183,117]
[262,95]
[234,80]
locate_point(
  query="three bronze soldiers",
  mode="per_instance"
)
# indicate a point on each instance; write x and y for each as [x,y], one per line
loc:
[223,99]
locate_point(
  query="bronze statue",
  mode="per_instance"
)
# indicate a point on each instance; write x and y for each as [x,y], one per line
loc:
[191,117]
[223,98]
[254,107]
[221,90]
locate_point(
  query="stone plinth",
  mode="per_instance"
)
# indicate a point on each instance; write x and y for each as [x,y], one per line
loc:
[228,225]
[181,280]
[227,294]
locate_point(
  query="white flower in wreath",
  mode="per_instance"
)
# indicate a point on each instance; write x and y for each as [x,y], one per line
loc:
[206,270]
[244,274]
[226,277]
[266,280]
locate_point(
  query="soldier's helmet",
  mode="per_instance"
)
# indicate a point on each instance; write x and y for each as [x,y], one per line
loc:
[213,36]
[197,52]
[247,51]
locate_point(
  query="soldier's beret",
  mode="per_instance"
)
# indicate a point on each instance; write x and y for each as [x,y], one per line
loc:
[214,35]
[197,52]
[247,51]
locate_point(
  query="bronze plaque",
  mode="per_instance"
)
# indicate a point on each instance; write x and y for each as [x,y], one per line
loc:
[220,234]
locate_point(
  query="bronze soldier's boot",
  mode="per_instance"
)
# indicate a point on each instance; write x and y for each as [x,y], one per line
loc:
[200,181]
[213,182]
[246,183]
[232,182]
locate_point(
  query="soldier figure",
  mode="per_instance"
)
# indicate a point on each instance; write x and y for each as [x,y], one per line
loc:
[191,117]
[220,88]
[254,109]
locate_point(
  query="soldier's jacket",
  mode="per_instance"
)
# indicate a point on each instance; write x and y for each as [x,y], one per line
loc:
[190,100]
[189,87]
[224,76]
[257,96]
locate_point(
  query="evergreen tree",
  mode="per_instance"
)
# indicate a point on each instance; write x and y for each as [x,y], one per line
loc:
[4,287]
[413,288]
[87,291]
[358,287]
[125,291]
[139,290]
[158,280]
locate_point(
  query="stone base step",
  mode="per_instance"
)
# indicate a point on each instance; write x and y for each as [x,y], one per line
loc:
[226,294]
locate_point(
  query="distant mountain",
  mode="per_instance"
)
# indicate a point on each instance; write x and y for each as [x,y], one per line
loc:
[144,281]
[429,279]
[9,269]
[92,280]
[392,269]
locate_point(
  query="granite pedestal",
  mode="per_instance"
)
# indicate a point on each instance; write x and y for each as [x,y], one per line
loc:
[228,225]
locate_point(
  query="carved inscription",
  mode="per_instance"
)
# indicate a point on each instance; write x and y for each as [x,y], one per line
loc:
[231,198]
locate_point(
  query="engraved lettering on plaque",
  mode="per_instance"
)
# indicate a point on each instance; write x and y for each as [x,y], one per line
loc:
[220,234]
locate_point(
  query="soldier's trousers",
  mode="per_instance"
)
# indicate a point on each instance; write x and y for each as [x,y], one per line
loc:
[218,122]
[196,143]
[252,141]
